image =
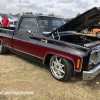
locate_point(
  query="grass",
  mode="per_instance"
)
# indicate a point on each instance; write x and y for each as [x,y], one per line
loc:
[20,74]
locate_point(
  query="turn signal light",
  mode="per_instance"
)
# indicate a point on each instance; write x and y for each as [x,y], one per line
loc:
[90,66]
[78,63]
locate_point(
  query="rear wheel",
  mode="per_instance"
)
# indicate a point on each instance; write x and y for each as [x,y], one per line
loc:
[60,68]
[3,50]
[98,34]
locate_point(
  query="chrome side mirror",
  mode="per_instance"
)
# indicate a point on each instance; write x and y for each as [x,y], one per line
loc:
[29,32]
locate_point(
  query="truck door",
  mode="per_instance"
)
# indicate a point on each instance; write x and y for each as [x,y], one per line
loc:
[24,40]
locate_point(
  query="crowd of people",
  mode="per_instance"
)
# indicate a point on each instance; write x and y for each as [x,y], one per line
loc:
[4,22]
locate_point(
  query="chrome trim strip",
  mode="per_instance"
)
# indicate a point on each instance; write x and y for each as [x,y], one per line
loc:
[27,53]
[91,74]
[8,46]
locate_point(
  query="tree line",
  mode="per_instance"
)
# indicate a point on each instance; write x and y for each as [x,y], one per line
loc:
[26,13]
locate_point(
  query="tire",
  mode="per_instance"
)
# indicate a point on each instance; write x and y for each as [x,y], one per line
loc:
[98,34]
[3,50]
[60,68]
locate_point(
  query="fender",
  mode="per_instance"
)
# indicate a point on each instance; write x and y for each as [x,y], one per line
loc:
[69,58]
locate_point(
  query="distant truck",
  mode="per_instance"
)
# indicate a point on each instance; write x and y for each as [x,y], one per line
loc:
[12,21]
[97,30]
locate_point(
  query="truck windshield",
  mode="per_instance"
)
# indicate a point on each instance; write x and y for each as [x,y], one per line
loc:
[49,24]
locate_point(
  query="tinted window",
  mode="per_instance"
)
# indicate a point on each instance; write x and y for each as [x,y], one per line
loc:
[49,24]
[8,16]
[28,24]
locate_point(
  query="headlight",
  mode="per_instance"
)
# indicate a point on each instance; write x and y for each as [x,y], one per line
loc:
[93,57]
[10,22]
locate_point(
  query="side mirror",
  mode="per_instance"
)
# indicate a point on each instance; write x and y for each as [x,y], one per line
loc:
[29,32]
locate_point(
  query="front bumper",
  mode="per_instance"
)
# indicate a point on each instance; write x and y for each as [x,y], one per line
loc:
[89,75]
[12,25]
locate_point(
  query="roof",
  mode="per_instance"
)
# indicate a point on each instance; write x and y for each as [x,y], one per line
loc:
[27,15]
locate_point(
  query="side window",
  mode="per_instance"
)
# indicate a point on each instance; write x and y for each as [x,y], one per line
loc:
[28,24]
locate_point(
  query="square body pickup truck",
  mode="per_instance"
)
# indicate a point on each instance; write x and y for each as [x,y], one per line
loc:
[50,41]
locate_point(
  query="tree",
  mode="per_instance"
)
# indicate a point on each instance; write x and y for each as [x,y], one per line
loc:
[78,14]
[10,14]
[51,14]
[38,14]
[17,15]
[24,13]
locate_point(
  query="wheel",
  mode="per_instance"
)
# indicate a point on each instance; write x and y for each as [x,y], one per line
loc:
[98,34]
[60,68]
[3,50]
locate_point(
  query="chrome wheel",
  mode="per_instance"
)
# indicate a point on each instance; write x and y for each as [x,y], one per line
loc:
[61,68]
[98,34]
[57,67]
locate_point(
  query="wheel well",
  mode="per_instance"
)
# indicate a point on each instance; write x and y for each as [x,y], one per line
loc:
[97,32]
[72,63]
[48,57]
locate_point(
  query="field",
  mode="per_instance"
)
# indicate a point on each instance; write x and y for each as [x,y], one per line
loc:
[20,74]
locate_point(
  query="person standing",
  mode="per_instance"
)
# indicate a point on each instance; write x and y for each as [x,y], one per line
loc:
[5,21]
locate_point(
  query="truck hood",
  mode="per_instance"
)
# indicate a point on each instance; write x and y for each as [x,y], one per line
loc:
[13,19]
[83,21]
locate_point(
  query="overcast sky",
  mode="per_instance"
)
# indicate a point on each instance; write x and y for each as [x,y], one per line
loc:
[62,8]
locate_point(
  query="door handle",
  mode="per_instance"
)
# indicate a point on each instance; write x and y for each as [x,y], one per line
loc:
[43,40]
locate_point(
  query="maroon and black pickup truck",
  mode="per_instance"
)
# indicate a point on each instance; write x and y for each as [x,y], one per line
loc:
[50,41]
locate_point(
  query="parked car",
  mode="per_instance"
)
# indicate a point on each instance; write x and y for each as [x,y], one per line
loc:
[12,21]
[49,41]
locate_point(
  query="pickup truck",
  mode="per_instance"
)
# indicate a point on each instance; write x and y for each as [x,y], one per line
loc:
[50,41]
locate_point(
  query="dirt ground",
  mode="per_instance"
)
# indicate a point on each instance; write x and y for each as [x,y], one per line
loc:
[20,74]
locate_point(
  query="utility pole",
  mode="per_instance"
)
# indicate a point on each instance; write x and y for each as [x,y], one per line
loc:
[20,7]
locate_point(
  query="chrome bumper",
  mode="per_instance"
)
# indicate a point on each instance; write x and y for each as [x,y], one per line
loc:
[89,75]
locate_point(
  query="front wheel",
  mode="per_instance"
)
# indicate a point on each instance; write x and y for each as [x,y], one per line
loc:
[60,68]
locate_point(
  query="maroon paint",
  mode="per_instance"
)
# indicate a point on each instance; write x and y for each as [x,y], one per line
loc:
[6,41]
[24,46]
